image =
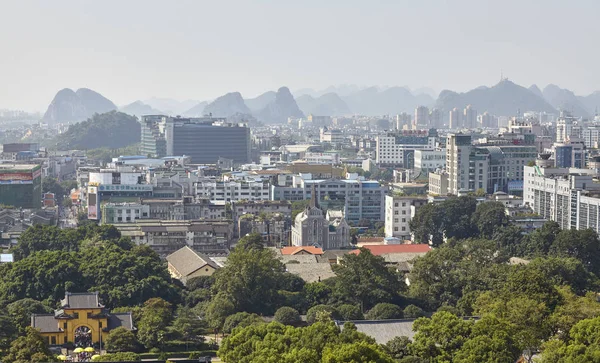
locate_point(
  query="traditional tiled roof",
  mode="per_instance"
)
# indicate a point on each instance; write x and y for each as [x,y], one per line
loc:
[124,320]
[81,300]
[185,260]
[292,250]
[45,323]
[378,250]
[384,330]
[311,272]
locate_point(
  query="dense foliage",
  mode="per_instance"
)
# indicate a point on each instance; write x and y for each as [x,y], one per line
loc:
[111,130]
[84,259]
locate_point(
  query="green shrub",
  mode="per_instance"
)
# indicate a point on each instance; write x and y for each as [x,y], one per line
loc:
[287,315]
[118,357]
[413,311]
[384,311]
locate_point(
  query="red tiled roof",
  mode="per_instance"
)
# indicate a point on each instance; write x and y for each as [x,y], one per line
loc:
[378,250]
[292,250]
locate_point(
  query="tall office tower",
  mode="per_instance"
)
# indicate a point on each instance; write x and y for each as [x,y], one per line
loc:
[421,117]
[402,120]
[458,148]
[455,118]
[470,117]
[435,118]
[204,139]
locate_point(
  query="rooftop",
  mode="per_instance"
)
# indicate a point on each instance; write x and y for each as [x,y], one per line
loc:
[185,260]
[292,250]
[378,250]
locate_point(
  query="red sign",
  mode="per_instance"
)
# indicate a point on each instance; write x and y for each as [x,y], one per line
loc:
[16,176]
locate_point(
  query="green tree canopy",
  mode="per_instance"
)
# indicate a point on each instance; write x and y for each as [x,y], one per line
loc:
[120,340]
[287,315]
[384,311]
[29,348]
[156,317]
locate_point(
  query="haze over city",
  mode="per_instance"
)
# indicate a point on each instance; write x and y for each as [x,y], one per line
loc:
[200,50]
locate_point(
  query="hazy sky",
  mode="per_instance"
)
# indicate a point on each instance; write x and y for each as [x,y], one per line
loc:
[129,50]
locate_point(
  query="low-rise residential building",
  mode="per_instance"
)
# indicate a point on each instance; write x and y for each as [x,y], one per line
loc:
[166,237]
[233,190]
[427,161]
[438,183]
[399,210]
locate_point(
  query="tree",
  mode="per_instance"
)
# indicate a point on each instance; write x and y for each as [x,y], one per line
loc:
[365,279]
[276,342]
[581,244]
[298,206]
[250,241]
[29,348]
[250,280]
[583,344]
[156,317]
[118,357]
[311,315]
[349,312]
[287,315]
[8,333]
[20,312]
[571,310]
[538,242]
[490,217]
[316,293]
[187,325]
[51,185]
[398,347]
[120,340]
[492,340]
[355,352]
[242,319]
[413,311]
[440,337]
[383,311]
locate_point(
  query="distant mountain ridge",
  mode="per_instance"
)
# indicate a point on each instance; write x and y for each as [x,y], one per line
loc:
[563,99]
[280,109]
[70,106]
[139,108]
[227,105]
[505,98]
[329,104]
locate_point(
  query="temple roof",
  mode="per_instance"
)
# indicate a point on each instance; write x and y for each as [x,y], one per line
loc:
[83,300]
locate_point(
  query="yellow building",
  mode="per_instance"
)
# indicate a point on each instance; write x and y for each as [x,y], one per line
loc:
[81,320]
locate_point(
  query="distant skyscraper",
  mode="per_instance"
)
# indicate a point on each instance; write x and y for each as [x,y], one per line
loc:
[435,118]
[455,118]
[469,117]
[402,120]
[487,120]
[421,116]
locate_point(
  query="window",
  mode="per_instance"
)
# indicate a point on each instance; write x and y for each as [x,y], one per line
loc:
[404,228]
[65,326]
[100,324]
[403,219]
[403,212]
[53,340]
[396,229]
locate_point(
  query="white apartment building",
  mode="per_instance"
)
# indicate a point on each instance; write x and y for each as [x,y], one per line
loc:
[566,196]
[398,149]
[438,182]
[398,213]
[232,191]
[427,161]
[591,137]
[469,117]
[455,118]
[322,158]
[333,136]
[422,116]
[458,149]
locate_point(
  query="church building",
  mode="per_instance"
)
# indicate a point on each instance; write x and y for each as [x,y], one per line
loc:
[313,228]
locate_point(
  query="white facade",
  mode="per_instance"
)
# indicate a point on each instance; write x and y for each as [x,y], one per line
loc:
[114,177]
[470,117]
[322,158]
[391,150]
[422,116]
[438,183]
[398,213]
[428,161]
[455,118]
[559,195]
[458,148]
[232,191]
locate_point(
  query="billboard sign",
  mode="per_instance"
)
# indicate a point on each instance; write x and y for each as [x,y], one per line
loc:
[93,203]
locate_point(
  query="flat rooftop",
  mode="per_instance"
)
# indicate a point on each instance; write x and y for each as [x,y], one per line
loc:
[11,167]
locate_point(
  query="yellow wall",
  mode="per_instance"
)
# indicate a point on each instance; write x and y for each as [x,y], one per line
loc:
[72,324]
[205,270]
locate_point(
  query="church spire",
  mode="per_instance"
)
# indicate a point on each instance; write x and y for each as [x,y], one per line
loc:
[313,197]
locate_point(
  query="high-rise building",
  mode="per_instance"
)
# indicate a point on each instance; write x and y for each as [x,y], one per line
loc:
[403,119]
[496,165]
[458,148]
[469,117]
[564,127]
[435,118]
[455,119]
[421,117]
[487,120]
[21,185]
[204,139]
